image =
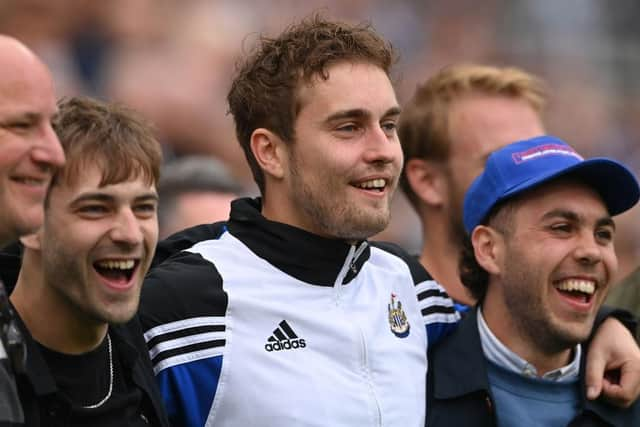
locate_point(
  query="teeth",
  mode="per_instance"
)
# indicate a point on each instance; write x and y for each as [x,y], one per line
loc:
[584,286]
[374,183]
[117,265]
[31,181]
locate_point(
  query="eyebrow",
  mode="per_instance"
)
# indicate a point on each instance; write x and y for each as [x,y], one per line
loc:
[357,113]
[21,115]
[102,197]
[605,221]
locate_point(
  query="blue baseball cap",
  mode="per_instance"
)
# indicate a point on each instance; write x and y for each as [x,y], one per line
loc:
[523,165]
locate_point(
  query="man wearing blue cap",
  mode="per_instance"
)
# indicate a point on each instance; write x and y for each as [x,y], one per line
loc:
[539,260]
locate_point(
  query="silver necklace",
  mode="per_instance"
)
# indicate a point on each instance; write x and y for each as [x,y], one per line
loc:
[102,402]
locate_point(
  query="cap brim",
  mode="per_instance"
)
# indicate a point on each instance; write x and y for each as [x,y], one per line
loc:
[615,183]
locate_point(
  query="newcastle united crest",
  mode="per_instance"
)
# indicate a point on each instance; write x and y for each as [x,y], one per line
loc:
[397,318]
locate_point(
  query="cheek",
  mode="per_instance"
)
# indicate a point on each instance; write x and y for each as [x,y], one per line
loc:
[150,231]
[10,157]
[610,261]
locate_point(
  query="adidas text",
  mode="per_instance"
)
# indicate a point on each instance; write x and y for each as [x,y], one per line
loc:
[285,345]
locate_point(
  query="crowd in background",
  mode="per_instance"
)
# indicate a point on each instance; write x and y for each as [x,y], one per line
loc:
[173,59]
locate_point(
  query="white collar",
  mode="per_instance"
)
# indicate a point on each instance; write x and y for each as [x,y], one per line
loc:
[499,354]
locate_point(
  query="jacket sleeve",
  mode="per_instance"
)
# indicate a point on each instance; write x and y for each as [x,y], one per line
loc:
[182,311]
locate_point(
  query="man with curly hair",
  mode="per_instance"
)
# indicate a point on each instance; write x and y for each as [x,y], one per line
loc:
[285,314]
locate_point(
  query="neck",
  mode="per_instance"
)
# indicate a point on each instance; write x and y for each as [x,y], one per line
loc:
[440,258]
[50,317]
[526,344]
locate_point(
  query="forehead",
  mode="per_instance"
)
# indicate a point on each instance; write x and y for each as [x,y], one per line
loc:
[89,182]
[350,86]
[566,195]
[26,85]
[480,123]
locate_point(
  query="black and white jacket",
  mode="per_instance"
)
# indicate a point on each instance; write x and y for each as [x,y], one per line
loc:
[250,322]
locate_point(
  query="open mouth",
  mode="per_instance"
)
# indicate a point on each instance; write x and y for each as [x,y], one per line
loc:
[117,272]
[377,184]
[579,290]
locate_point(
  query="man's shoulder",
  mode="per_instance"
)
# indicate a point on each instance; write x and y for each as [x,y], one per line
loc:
[187,238]
[184,285]
[418,272]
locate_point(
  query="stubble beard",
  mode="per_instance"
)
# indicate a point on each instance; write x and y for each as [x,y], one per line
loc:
[337,218]
[531,317]
[62,269]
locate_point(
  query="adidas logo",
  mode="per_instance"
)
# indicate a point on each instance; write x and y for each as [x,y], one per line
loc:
[284,338]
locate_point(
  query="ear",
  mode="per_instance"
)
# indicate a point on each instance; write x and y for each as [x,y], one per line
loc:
[32,241]
[488,247]
[427,180]
[270,152]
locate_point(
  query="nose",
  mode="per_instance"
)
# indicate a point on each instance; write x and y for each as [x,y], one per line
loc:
[127,228]
[381,147]
[588,251]
[48,151]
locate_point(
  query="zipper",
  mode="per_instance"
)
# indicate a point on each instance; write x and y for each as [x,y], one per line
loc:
[349,264]
[367,370]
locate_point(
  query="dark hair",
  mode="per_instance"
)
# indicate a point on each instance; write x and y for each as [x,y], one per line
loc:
[264,91]
[472,275]
[121,141]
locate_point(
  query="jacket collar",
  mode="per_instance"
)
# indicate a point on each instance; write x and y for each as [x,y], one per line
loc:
[306,256]
[458,365]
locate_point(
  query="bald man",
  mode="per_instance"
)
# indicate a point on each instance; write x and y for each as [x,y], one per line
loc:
[29,153]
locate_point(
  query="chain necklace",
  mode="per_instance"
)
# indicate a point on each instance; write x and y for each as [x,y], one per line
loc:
[102,402]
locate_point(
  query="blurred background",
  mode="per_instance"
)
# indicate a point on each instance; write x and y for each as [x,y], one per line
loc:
[173,60]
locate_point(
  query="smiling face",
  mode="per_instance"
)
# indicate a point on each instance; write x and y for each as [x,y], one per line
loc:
[344,164]
[97,243]
[29,148]
[557,259]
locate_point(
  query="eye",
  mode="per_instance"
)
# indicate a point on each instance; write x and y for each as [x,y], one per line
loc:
[604,235]
[19,126]
[390,127]
[348,128]
[561,227]
[93,210]
[145,210]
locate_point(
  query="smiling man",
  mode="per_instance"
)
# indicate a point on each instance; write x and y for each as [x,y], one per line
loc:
[539,261]
[29,148]
[29,154]
[81,275]
[285,314]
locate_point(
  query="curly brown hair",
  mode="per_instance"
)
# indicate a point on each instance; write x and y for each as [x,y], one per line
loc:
[264,91]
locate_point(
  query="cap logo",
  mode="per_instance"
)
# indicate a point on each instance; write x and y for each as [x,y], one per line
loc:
[544,150]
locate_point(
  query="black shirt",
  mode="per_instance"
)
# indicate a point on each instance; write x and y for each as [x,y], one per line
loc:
[51,389]
[94,377]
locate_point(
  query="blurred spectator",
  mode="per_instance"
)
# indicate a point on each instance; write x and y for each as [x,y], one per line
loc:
[194,190]
[447,131]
